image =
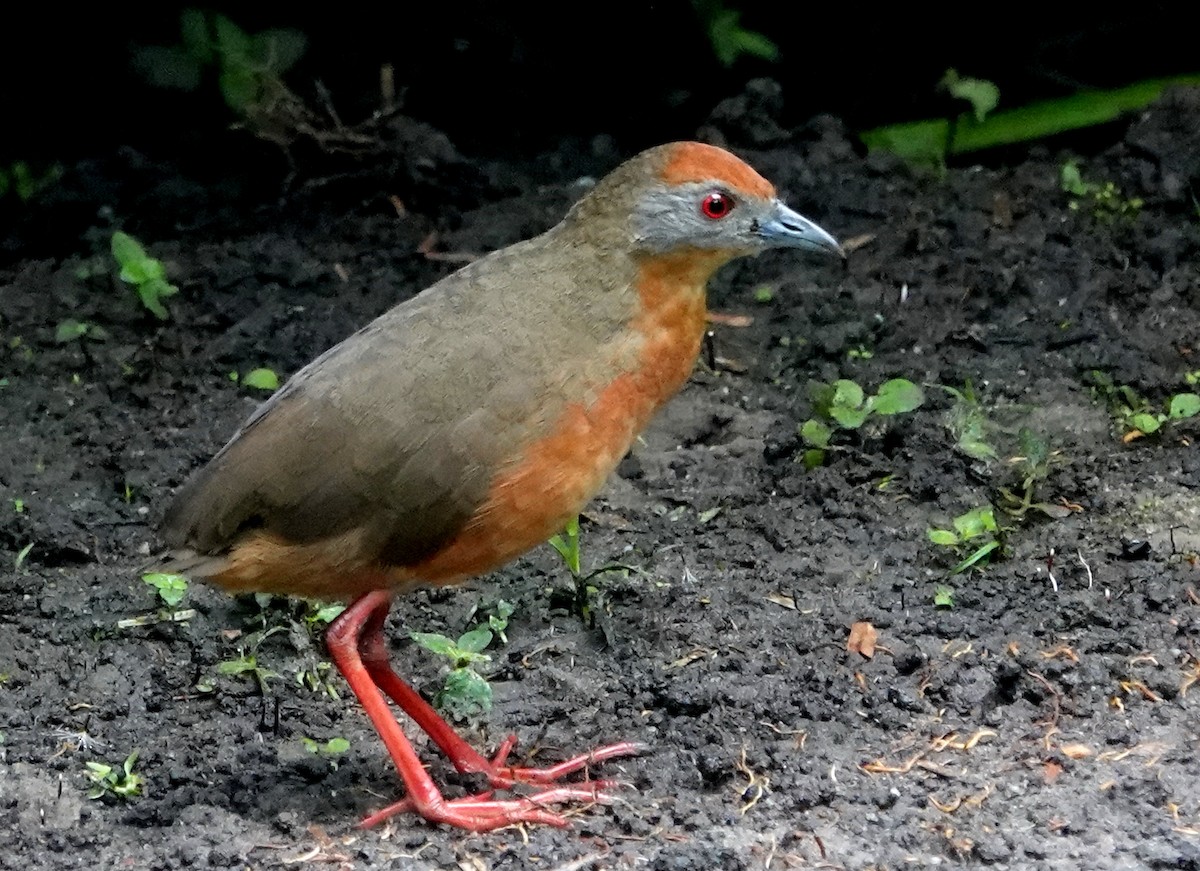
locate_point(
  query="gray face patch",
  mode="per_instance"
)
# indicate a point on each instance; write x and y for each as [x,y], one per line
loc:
[669,218]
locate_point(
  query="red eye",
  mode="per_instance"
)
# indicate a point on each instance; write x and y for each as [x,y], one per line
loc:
[717,205]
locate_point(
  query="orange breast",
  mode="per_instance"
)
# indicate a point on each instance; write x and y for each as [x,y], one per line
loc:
[552,479]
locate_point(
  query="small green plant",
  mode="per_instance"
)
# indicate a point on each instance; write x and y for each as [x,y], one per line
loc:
[968,423]
[18,506]
[764,294]
[943,596]
[171,588]
[975,533]
[983,95]
[844,406]
[1137,416]
[247,663]
[331,749]
[729,40]
[71,329]
[259,379]
[147,275]
[1105,201]
[466,694]
[1033,465]
[249,66]
[123,782]
[22,555]
[20,178]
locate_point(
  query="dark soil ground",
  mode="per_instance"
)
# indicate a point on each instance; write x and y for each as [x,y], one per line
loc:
[1022,727]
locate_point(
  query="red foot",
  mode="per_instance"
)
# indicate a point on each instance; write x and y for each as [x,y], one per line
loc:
[356,645]
[482,813]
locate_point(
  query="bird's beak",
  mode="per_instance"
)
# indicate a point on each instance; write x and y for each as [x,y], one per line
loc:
[785,228]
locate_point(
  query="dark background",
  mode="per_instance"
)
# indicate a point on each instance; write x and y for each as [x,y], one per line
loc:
[504,77]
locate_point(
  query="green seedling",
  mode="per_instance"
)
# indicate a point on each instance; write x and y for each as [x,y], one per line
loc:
[860,352]
[315,678]
[249,66]
[171,588]
[123,782]
[21,556]
[466,694]
[1033,465]
[25,182]
[246,662]
[261,379]
[18,506]
[147,275]
[764,294]
[943,596]
[983,95]
[1137,416]
[968,423]
[975,531]
[331,749]
[729,40]
[70,330]
[1105,201]
[843,406]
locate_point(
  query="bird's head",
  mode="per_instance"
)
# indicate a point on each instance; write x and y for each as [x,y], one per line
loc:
[688,195]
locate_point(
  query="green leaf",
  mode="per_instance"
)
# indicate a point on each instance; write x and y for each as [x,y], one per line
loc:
[241,87]
[567,545]
[813,458]
[171,587]
[262,379]
[921,143]
[465,695]
[70,330]
[336,746]
[983,95]
[1072,181]
[848,418]
[149,295]
[126,250]
[816,433]
[846,394]
[1147,423]
[475,641]
[233,43]
[943,537]
[974,558]
[435,642]
[897,397]
[975,523]
[1184,405]
[977,449]
[943,596]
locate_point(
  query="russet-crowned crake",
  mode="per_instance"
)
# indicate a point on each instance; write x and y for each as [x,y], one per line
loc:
[470,423]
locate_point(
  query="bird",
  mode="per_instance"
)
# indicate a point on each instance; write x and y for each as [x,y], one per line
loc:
[470,423]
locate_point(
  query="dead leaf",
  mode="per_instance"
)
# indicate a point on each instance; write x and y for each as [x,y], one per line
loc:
[1051,771]
[855,242]
[780,599]
[1076,751]
[729,320]
[862,639]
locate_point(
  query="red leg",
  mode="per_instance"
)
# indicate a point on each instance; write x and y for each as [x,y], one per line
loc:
[462,755]
[356,646]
